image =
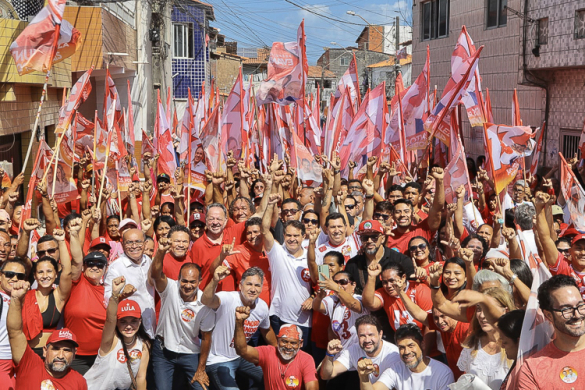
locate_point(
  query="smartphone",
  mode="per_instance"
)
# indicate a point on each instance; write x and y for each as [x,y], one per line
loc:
[323,270]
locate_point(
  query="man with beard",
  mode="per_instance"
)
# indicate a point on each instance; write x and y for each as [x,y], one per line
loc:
[414,372]
[31,371]
[182,318]
[223,362]
[382,353]
[563,306]
[178,254]
[285,367]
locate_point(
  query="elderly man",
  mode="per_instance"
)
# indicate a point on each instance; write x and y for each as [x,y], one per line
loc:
[241,209]
[133,264]
[31,371]
[284,366]
[5,246]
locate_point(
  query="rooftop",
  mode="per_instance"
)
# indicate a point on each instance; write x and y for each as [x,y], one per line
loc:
[391,61]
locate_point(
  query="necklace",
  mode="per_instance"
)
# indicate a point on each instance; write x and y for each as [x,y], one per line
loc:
[282,374]
[131,342]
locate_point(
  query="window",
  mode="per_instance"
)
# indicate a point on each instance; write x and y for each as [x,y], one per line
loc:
[580,24]
[183,40]
[344,61]
[570,141]
[543,31]
[435,19]
[496,13]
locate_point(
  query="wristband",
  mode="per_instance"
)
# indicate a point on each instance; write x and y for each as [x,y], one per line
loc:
[435,287]
[514,277]
[369,196]
[336,171]
[329,354]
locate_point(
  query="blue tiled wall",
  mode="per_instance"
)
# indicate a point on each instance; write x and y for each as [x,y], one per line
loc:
[190,70]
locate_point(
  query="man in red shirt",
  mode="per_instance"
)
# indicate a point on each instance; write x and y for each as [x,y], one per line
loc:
[285,367]
[31,371]
[561,364]
[178,254]
[403,211]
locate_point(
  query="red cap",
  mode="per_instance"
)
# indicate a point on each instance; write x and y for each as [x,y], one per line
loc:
[290,331]
[577,238]
[197,217]
[62,335]
[570,231]
[475,195]
[99,241]
[371,226]
[129,308]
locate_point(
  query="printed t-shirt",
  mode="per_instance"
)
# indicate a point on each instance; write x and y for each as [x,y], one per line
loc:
[288,376]
[247,258]
[349,248]
[343,319]
[419,293]
[388,356]
[400,240]
[437,376]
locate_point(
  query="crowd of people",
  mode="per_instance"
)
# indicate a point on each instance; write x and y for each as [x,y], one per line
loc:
[370,281]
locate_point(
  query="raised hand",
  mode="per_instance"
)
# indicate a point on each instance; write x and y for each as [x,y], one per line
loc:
[273,198]
[85,183]
[221,273]
[451,208]
[368,186]
[217,178]
[155,211]
[502,266]
[164,244]
[374,270]
[460,192]
[334,347]
[146,224]
[313,236]
[335,162]
[31,224]
[365,367]
[540,200]
[275,164]
[435,272]
[351,164]
[509,233]
[242,313]
[19,290]
[96,214]
[86,216]
[228,250]
[466,255]
[437,173]
[75,226]
[59,235]
[117,285]
[372,161]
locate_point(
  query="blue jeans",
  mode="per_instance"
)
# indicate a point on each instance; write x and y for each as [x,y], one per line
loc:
[222,376]
[276,323]
[165,362]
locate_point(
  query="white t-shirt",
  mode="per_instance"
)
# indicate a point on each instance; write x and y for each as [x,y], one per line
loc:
[348,249]
[222,340]
[291,286]
[437,376]
[387,357]
[343,319]
[180,322]
[111,371]
[5,352]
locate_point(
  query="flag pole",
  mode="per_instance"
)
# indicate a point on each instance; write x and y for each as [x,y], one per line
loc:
[118,189]
[103,176]
[93,160]
[37,120]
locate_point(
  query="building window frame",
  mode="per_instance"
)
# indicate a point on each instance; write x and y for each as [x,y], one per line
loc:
[578,21]
[183,40]
[542,33]
[501,16]
[434,16]
[344,61]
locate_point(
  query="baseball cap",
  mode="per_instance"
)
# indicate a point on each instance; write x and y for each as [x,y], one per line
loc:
[99,241]
[163,176]
[89,168]
[95,256]
[63,335]
[557,210]
[129,308]
[290,331]
[520,183]
[370,226]
[128,223]
[496,253]
[577,238]
[197,217]
[570,231]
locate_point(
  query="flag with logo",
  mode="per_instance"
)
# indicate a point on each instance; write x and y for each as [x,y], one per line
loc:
[308,170]
[536,156]
[456,174]
[79,94]
[233,136]
[210,137]
[83,134]
[167,162]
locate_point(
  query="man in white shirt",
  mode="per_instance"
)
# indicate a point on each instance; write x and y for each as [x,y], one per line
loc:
[182,317]
[335,228]
[291,280]
[340,364]
[134,265]
[223,362]
[413,373]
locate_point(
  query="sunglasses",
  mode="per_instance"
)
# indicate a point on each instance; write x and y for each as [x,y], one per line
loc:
[422,247]
[10,274]
[382,216]
[563,250]
[342,282]
[349,207]
[51,251]
[309,220]
[368,237]
[290,211]
[98,264]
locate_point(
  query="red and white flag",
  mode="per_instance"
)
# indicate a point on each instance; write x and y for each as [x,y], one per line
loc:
[535,157]
[456,173]
[573,194]
[210,137]
[47,40]
[349,80]
[110,91]
[42,159]
[308,170]
[167,162]
[83,134]
[79,94]
[129,136]
[233,136]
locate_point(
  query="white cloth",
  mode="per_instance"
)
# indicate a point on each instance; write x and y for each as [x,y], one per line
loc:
[349,248]
[136,275]
[179,322]
[111,371]
[491,369]
[222,340]
[290,287]
[5,352]
[437,376]
[387,357]
[343,319]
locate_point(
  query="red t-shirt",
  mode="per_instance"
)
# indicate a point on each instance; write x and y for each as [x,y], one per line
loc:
[419,293]
[319,329]
[85,315]
[31,374]
[288,376]
[400,240]
[564,267]
[172,266]
[452,343]
[248,258]
[204,252]
[551,368]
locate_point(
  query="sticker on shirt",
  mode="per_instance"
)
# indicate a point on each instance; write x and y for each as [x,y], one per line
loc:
[250,327]
[568,374]
[134,354]
[376,371]
[187,315]
[335,325]
[305,275]
[47,385]
[291,382]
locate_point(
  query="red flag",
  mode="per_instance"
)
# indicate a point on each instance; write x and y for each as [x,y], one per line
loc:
[456,172]
[516,121]
[349,80]
[210,137]
[83,130]
[308,170]
[232,121]
[47,40]
[167,162]
[79,94]
[147,146]
[535,157]
[488,107]
[44,154]
[110,91]
[573,194]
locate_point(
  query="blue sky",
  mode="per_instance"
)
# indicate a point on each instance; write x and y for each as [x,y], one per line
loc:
[261,22]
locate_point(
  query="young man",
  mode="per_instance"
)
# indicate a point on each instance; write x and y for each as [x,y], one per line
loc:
[335,228]
[284,366]
[414,372]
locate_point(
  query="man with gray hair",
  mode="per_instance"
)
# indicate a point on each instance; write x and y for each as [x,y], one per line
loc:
[524,215]
[485,279]
[223,362]
[134,265]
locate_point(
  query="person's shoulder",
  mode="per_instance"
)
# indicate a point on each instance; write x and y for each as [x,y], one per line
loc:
[548,352]
[354,261]
[437,366]
[73,375]
[305,358]
[387,347]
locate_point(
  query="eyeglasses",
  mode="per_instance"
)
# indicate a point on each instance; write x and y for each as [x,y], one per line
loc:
[422,247]
[133,243]
[342,282]
[10,274]
[349,207]
[290,211]
[563,251]
[312,221]
[50,251]
[381,216]
[368,237]
[92,264]
[569,312]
